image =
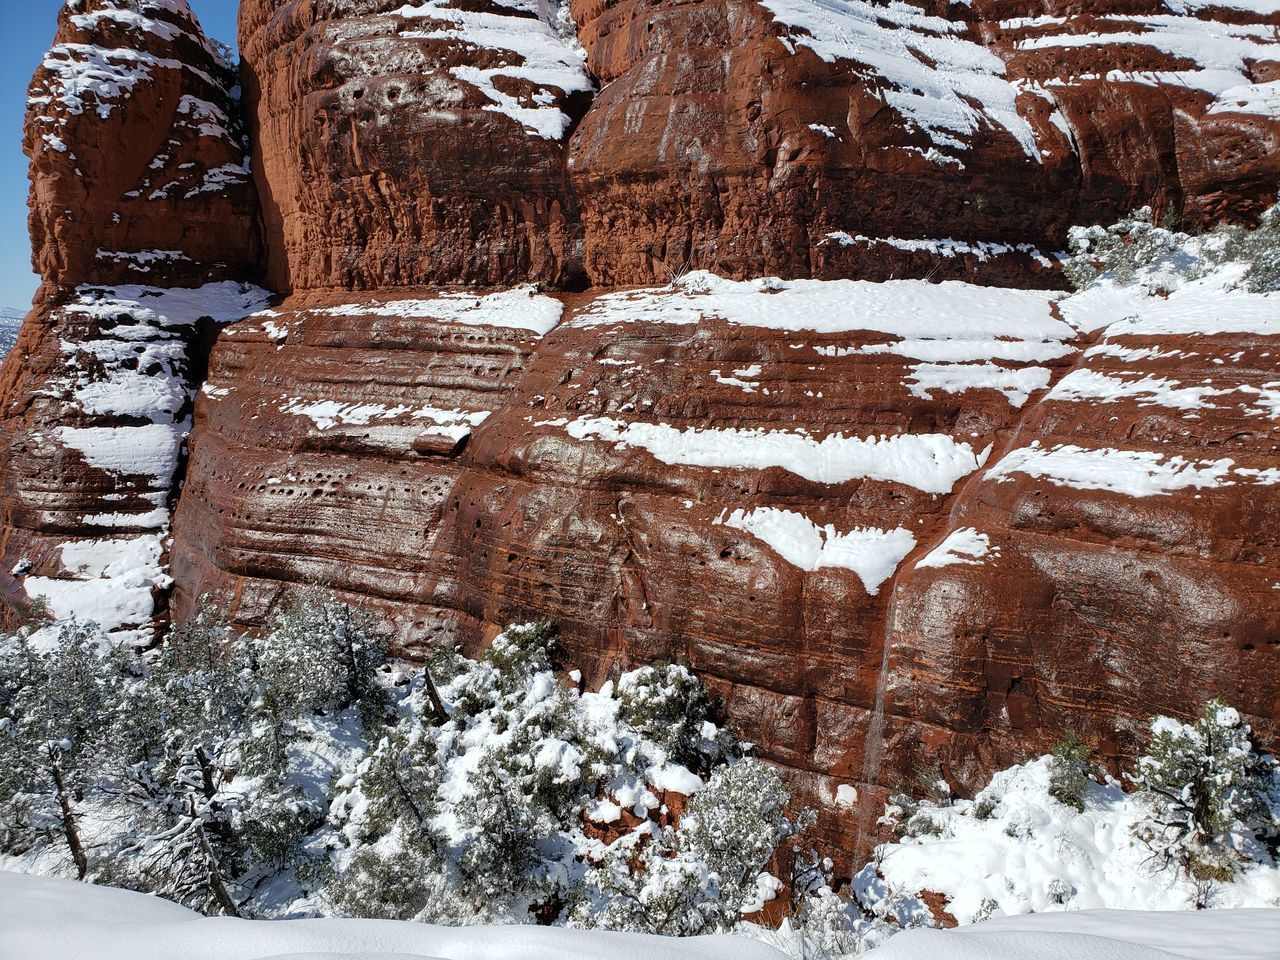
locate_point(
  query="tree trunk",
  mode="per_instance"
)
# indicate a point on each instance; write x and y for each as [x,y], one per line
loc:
[69,827]
[438,713]
[216,884]
[206,773]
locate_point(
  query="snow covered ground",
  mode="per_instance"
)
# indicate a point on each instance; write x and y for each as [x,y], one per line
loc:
[1098,935]
[10,321]
[47,919]
[1015,849]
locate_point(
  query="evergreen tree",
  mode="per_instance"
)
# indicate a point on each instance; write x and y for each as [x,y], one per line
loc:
[1070,775]
[56,710]
[1213,796]
[181,736]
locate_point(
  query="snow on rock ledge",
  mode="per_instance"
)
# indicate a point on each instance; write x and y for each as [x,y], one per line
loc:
[97,476]
[552,62]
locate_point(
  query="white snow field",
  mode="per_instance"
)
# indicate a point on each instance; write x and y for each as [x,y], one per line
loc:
[1098,935]
[47,919]
[10,321]
[1015,849]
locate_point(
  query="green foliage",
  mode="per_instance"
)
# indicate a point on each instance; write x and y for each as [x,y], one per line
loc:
[1135,247]
[57,707]
[668,705]
[492,800]
[401,783]
[320,655]
[1070,775]
[694,877]
[1213,796]
[382,886]
[1259,248]
[221,766]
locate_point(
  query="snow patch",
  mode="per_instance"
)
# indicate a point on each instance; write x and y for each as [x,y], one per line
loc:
[901,308]
[981,250]
[964,546]
[49,919]
[931,462]
[550,63]
[1016,385]
[922,66]
[1090,385]
[522,308]
[326,414]
[1136,473]
[873,554]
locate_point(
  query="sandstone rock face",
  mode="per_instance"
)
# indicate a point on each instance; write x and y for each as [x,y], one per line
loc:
[96,399]
[138,164]
[139,176]
[331,436]
[1120,554]
[802,139]
[895,526]
[401,144]
[824,496]
[755,478]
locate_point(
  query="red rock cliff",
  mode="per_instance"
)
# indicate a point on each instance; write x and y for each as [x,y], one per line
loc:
[892,524]
[139,180]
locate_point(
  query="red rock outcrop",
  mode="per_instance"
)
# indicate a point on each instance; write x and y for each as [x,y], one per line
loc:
[332,435]
[821,493]
[138,175]
[138,166]
[745,136]
[1129,556]
[694,473]
[401,145]
[775,482]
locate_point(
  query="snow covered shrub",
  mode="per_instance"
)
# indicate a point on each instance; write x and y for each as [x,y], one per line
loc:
[1213,798]
[1046,836]
[1119,250]
[1136,250]
[179,749]
[57,704]
[319,655]
[698,876]
[263,776]
[668,705]
[734,825]
[1070,774]
[502,794]
[1259,248]
[180,771]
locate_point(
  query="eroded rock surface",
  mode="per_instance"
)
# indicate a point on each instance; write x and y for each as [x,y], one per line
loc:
[142,212]
[332,434]
[896,526]
[139,171]
[402,144]
[440,142]
[1120,559]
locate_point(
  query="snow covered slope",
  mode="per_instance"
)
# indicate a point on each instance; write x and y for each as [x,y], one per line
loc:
[1098,935]
[1015,848]
[46,919]
[10,321]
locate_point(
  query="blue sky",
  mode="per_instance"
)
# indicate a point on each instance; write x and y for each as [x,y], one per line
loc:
[26,34]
